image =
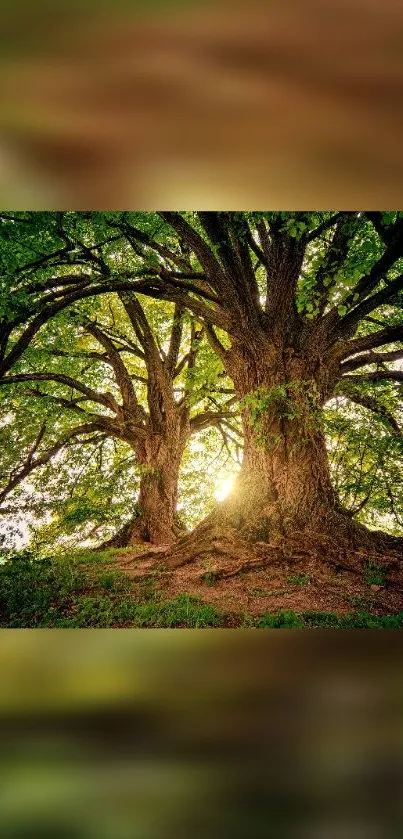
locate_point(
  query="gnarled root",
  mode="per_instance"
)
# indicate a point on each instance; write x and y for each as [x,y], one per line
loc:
[338,541]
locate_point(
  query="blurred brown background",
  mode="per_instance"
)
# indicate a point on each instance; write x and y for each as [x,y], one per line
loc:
[216,734]
[181,104]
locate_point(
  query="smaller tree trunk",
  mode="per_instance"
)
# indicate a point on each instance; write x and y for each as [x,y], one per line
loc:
[157,503]
[158,457]
[156,519]
[160,460]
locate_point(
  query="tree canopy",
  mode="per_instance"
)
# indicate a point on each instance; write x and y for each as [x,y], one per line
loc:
[261,332]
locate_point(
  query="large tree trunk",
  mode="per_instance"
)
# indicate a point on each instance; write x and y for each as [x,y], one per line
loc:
[283,503]
[285,479]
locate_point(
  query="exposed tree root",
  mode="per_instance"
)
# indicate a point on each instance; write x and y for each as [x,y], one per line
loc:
[301,570]
[219,551]
[224,551]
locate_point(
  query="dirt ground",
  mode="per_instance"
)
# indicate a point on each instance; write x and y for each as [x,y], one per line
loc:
[300,586]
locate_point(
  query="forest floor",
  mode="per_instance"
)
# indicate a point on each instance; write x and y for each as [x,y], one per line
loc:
[302,587]
[135,588]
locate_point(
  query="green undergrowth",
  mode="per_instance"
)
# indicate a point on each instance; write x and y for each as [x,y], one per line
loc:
[287,619]
[85,590]
[82,590]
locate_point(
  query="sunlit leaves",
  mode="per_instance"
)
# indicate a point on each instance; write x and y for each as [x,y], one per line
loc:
[367,464]
[39,251]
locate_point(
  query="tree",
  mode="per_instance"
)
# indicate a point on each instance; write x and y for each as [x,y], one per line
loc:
[293,303]
[300,308]
[126,370]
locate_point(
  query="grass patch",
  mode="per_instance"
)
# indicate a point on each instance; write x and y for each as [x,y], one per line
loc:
[285,619]
[34,591]
[373,574]
[78,591]
[183,611]
[300,580]
[113,581]
[361,601]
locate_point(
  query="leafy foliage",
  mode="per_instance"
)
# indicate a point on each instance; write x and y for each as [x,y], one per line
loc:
[64,272]
[295,401]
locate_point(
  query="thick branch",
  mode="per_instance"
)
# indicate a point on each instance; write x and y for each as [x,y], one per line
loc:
[140,236]
[284,265]
[389,335]
[105,399]
[32,463]
[123,378]
[370,358]
[389,232]
[207,419]
[385,295]
[334,258]
[369,402]
[321,228]
[215,342]
[158,289]
[378,376]
[205,255]
[227,232]
[175,340]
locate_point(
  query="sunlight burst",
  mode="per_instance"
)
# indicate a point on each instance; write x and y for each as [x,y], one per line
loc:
[224,488]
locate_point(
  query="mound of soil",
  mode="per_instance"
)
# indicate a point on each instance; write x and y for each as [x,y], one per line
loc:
[303,581]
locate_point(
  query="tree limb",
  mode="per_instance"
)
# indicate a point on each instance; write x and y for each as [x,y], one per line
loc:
[388,335]
[370,358]
[371,404]
[107,400]
[32,463]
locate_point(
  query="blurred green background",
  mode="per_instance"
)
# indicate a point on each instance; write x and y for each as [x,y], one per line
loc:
[116,735]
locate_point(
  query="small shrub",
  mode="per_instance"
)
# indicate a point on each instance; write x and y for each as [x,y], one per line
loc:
[248,622]
[210,577]
[392,621]
[362,601]
[322,620]
[147,589]
[93,611]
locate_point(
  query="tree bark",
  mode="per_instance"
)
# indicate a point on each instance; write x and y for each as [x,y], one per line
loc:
[156,520]
[284,481]
[158,494]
